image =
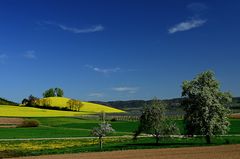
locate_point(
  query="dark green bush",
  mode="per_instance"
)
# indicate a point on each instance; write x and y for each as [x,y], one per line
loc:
[29,123]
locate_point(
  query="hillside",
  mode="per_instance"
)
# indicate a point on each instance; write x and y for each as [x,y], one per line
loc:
[87,106]
[21,111]
[7,102]
[173,105]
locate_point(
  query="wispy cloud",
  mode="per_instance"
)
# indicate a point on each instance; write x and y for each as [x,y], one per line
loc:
[186,25]
[126,89]
[197,7]
[103,70]
[91,29]
[98,95]
[30,54]
[3,57]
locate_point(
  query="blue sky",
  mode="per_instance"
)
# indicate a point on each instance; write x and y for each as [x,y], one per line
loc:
[116,50]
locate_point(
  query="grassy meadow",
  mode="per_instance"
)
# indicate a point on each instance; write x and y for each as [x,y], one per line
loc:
[60,127]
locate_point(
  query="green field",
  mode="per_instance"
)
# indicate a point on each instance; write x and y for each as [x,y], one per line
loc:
[52,127]
[64,127]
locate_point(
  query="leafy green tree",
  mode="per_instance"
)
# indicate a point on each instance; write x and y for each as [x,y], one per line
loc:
[153,121]
[59,92]
[101,131]
[53,92]
[49,93]
[204,103]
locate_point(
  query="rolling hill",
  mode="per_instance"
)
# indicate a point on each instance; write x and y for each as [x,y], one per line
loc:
[24,111]
[87,106]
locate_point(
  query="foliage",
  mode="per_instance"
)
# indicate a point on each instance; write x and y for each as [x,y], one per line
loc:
[58,92]
[49,93]
[74,105]
[153,121]
[45,102]
[53,92]
[29,123]
[31,101]
[103,130]
[204,105]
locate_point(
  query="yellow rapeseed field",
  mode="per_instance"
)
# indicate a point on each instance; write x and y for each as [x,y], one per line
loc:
[22,111]
[87,107]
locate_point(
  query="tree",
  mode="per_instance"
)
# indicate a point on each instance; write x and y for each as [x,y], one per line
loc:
[74,104]
[45,102]
[49,93]
[153,121]
[204,104]
[53,92]
[103,130]
[31,101]
[59,92]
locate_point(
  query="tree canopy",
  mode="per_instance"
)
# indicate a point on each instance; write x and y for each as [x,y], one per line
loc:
[153,121]
[53,92]
[204,104]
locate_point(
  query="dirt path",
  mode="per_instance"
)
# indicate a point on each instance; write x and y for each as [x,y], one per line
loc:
[10,122]
[212,152]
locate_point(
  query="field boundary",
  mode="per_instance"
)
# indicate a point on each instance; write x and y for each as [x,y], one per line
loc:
[109,137]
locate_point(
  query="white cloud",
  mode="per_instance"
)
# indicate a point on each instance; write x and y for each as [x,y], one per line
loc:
[96,95]
[126,89]
[187,25]
[3,57]
[91,29]
[30,54]
[104,70]
[197,7]
[85,30]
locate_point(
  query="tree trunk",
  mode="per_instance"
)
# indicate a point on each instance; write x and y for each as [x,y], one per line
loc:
[157,139]
[208,139]
[101,142]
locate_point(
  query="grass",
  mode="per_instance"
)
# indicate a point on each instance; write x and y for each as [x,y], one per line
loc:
[54,127]
[51,127]
[27,148]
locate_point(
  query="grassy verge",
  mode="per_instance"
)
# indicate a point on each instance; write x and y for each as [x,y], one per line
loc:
[29,148]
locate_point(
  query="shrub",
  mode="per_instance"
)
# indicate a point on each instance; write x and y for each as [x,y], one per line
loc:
[113,119]
[29,123]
